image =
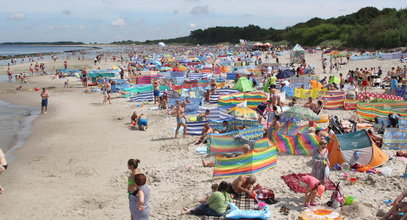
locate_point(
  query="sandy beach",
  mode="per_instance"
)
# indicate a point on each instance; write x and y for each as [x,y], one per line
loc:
[74,164]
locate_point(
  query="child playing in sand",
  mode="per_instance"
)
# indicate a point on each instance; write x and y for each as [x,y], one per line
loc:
[314,187]
[214,188]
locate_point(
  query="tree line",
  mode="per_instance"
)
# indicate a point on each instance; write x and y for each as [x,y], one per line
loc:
[368,28]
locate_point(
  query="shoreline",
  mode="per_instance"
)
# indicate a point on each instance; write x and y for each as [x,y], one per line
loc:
[24,130]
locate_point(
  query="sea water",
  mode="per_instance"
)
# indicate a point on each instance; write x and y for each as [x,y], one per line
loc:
[15,126]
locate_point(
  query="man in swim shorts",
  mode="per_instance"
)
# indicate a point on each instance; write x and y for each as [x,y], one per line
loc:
[44,101]
[156,90]
[181,119]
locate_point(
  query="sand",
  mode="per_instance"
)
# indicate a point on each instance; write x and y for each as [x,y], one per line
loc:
[74,165]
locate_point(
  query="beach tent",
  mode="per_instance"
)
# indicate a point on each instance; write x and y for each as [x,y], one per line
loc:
[297,54]
[342,148]
[243,85]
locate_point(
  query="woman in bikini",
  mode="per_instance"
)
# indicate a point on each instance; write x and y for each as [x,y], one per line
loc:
[3,166]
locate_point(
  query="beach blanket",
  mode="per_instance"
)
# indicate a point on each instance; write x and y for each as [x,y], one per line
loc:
[293,182]
[242,201]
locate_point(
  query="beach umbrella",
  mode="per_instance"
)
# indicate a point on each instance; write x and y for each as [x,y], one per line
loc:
[301,113]
[285,74]
[243,112]
[334,52]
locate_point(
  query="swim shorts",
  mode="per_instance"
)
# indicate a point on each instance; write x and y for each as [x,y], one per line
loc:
[142,122]
[156,93]
[44,103]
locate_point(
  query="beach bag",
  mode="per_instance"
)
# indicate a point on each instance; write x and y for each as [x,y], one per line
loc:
[264,194]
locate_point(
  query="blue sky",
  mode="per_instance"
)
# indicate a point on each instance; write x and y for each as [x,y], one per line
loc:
[111,20]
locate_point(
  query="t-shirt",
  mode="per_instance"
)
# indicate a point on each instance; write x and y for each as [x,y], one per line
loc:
[310,181]
[218,201]
[273,80]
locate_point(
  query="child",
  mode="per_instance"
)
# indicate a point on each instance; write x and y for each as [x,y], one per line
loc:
[66,84]
[314,187]
[214,188]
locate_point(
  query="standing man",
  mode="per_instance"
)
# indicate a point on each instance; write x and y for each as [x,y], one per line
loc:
[84,77]
[181,119]
[156,90]
[44,101]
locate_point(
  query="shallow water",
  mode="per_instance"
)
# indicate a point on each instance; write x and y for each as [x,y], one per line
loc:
[15,125]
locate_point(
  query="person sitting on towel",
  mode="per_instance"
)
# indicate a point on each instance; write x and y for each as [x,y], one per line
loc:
[205,131]
[398,207]
[243,184]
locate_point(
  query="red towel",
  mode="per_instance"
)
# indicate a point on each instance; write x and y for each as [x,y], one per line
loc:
[293,181]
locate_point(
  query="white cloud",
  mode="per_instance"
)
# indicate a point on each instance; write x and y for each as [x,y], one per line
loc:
[17,16]
[82,27]
[118,23]
[192,25]
[200,10]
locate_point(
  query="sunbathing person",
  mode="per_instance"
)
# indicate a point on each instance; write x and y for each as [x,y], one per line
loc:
[205,131]
[245,149]
[243,184]
[398,207]
[309,104]
[203,116]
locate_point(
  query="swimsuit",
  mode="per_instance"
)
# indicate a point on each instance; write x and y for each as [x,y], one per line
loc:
[44,103]
[156,92]
[142,122]
[181,120]
[4,166]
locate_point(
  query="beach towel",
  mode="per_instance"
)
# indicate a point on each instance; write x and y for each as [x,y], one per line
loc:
[293,182]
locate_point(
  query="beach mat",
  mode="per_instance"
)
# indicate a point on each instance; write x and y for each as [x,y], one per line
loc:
[293,182]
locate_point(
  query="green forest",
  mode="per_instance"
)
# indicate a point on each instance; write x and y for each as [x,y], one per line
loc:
[368,28]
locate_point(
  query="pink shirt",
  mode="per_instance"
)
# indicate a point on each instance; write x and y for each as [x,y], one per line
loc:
[310,181]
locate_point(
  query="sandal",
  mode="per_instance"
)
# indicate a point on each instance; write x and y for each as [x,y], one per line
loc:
[283,208]
[286,212]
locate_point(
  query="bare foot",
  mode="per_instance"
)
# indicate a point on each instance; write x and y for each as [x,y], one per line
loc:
[184,212]
[203,163]
[1,190]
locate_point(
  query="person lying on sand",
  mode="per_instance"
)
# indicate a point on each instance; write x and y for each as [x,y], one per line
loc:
[245,149]
[243,184]
[398,207]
